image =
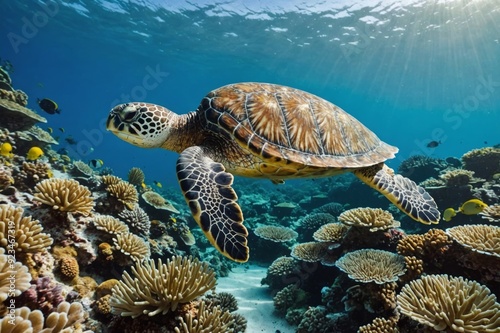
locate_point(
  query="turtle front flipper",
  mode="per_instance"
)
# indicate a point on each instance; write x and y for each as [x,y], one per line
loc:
[402,192]
[207,189]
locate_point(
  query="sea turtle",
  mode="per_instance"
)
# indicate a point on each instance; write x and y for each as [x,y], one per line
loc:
[266,131]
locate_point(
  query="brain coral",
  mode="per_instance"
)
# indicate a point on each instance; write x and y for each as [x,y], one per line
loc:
[370,265]
[372,218]
[443,302]
[480,238]
[161,288]
[66,195]
[275,233]
[14,277]
[28,236]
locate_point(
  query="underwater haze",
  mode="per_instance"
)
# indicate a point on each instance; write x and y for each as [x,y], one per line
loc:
[412,71]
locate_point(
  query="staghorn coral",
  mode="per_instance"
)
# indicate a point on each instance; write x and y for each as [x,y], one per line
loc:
[491,213]
[370,265]
[21,234]
[479,238]
[443,302]
[380,325]
[14,277]
[161,288]
[125,193]
[366,217]
[137,219]
[65,195]
[83,168]
[207,320]
[458,177]
[136,176]
[485,162]
[414,267]
[110,224]
[330,232]
[132,245]
[275,234]
[66,319]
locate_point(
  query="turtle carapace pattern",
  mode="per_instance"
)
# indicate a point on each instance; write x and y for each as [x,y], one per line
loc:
[262,130]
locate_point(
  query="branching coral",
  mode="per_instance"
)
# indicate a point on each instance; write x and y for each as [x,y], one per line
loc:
[124,192]
[275,233]
[480,238]
[137,219]
[161,288]
[455,303]
[110,180]
[132,245]
[66,195]
[110,224]
[136,176]
[330,232]
[21,234]
[372,218]
[491,213]
[208,320]
[5,178]
[31,173]
[369,265]
[430,244]
[380,325]
[14,277]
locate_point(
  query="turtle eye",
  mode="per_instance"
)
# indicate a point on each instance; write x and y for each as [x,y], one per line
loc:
[127,116]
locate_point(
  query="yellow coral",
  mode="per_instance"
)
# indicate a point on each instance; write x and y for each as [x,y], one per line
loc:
[372,218]
[443,302]
[125,193]
[69,267]
[370,265]
[110,179]
[161,288]
[21,234]
[276,234]
[66,195]
[110,224]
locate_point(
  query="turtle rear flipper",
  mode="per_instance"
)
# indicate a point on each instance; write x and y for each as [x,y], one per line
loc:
[402,192]
[207,189]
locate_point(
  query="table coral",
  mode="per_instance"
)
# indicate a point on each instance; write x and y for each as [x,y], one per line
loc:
[491,213]
[276,234]
[331,232]
[366,217]
[110,224]
[480,238]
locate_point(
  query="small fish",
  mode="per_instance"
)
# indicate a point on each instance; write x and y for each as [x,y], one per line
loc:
[49,106]
[50,130]
[34,153]
[173,219]
[70,140]
[157,183]
[96,163]
[448,214]
[6,150]
[472,207]
[65,158]
[62,129]
[40,84]
[143,185]
[63,151]
[187,237]
[433,144]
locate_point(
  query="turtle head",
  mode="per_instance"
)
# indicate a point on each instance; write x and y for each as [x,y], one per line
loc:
[141,124]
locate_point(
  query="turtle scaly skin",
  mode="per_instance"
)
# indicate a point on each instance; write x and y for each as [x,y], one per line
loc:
[269,131]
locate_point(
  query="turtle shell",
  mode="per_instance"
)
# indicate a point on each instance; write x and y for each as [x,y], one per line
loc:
[283,123]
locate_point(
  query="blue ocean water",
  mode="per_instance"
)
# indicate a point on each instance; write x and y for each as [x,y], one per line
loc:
[413,71]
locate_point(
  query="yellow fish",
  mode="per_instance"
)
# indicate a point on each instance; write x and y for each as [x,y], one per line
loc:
[157,183]
[448,214]
[143,185]
[6,150]
[472,207]
[34,153]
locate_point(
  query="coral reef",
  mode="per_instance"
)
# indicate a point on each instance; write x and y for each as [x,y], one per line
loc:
[132,245]
[14,277]
[480,238]
[455,303]
[458,177]
[137,219]
[369,265]
[331,232]
[110,224]
[136,176]
[310,223]
[485,162]
[161,288]
[82,168]
[124,192]
[213,320]
[21,234]
[491,213]
[65,195]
